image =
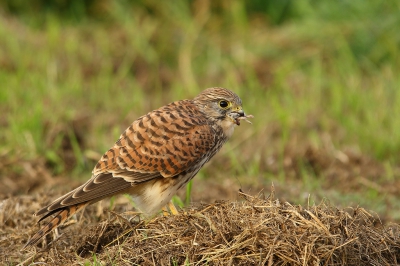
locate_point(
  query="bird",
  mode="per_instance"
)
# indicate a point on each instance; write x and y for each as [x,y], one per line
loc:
[154,157]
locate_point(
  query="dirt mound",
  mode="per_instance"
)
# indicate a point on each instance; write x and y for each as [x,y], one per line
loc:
[256,231]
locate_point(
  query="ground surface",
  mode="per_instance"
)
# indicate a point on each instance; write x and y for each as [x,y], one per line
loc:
[257,230]
[222,226]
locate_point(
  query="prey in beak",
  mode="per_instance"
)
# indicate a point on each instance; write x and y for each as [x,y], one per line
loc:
[240,115]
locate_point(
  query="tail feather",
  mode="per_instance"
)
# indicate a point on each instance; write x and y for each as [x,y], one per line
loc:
[61,216]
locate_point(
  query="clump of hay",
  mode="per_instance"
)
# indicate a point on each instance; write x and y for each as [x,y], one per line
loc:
[256,231]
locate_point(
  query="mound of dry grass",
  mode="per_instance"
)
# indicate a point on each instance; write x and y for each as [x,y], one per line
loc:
[256,231]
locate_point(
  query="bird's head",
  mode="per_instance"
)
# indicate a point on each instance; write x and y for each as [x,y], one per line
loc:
[223,106]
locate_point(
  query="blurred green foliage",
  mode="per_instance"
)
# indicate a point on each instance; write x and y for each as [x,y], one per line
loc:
[78,10]
[242,43]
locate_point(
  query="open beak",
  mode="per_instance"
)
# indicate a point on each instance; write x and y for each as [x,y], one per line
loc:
[240,116]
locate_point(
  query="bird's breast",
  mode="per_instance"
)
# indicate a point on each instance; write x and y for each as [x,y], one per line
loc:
[228,126]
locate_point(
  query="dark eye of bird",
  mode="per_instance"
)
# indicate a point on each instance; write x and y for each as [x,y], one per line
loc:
[223,104]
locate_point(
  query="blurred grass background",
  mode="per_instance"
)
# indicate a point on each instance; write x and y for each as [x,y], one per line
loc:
[319,77]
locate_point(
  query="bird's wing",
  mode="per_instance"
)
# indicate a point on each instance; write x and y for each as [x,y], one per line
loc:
[163,143]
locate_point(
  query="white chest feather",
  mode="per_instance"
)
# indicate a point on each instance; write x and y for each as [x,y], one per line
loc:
[228,126]
[157,193]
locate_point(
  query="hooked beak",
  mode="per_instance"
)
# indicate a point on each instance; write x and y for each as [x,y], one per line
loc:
[238,114]
[241,112]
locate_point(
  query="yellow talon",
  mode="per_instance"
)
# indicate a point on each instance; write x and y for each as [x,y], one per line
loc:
[172,208]
[165,211]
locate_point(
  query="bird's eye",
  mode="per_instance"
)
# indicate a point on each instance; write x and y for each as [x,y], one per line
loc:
[223,104]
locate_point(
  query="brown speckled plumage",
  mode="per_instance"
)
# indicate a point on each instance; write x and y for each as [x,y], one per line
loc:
[155,156]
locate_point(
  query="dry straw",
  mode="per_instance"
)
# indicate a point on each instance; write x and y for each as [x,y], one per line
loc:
[256,231]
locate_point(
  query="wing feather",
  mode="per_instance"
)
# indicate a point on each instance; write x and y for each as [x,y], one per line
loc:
[167,141]
[161,144]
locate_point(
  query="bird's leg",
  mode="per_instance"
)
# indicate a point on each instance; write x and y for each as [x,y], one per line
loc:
[56,233]
[165,211]
[172,208]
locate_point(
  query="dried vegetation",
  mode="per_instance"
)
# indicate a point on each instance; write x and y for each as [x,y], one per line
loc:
[255,231]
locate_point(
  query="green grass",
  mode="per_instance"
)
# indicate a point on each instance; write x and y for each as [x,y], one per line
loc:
[306,70]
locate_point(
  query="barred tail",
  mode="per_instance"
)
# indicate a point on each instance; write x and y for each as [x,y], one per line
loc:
[61,216]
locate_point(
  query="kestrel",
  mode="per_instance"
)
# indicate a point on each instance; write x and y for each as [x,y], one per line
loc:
[157,154]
